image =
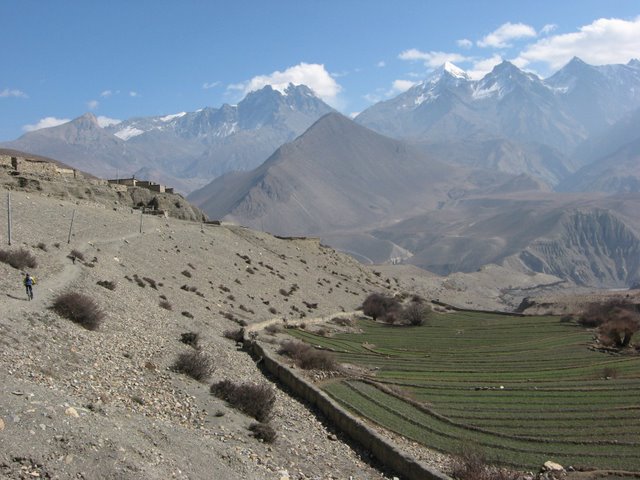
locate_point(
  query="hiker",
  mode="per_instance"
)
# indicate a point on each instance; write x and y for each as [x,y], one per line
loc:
[29,282]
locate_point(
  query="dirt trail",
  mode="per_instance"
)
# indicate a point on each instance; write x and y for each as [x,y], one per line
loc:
[307,321]
[48,287]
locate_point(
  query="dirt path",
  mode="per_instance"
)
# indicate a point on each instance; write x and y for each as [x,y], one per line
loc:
[48,287]
[307,321]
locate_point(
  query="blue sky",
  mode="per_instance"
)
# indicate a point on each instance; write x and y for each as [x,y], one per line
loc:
[121,59]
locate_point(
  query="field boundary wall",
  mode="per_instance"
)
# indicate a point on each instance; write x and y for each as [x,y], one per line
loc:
[386,452]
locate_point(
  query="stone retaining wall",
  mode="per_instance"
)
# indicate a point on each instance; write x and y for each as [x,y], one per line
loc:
[383,449]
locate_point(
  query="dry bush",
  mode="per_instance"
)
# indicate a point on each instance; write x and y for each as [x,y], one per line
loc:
[19,259]
[378,305]
[80,309]
[609,372]
[307,357]
[190,338]
[292,349]
[343,322]
[471,464]
[236,334]
[187,314]
[76,254]
[108,284]
[273,310]
[264,432]
[43,246]
[152,283]
[196,364]
[254,400]
[313,359]
[166,305]
[273,329]
[186,273]
[416,313]
[598,313]
[621,326]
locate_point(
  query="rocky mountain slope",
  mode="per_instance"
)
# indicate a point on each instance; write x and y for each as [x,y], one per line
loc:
[185,150]
[337,176]
[588,240]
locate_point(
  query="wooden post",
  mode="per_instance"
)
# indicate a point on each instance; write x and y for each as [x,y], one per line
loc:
[141,213]
[9,215]
[73,216]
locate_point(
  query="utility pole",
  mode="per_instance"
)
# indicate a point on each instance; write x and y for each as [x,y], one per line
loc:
[9,215]
[73,216]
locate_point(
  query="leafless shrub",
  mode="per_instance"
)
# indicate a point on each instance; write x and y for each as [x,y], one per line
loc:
[307,357]
[264,432]
[598,313]
[621,327]
[19,259]
[283,292]
[343,322]
[236,334]
[313,359]
[190,338]
[43,246]
[152,283]
[471,464]
[77,254]
[416,313]
[186,273]
[80,309]
[609,372]
[273,329]
[166,305]
[196,364]
[139,281]
[108,284]
[256,401]
[273,310]
[378,305]
[187,314]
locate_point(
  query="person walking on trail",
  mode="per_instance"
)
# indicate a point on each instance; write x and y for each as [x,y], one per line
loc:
[29,282]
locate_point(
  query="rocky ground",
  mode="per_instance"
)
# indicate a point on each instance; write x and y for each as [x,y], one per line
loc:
[106,404]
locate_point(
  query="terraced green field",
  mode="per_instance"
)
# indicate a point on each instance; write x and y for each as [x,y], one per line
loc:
[525,389]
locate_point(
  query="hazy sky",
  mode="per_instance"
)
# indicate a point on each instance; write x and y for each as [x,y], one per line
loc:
[121,59]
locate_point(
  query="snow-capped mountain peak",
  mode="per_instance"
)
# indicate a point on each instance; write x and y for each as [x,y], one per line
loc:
[447,70]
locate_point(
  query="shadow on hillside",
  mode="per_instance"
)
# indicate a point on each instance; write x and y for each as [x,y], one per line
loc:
[17,298]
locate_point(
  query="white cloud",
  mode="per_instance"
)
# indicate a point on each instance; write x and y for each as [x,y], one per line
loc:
[12,92]
[133,94]
[604,41]
[92,104]
[208,85]
[313,75]
[381,64]
[500,37]
[106,121]
[464,43]
[431,59]
[45,123]
[483,66]
[548,28]
[399,86]
[106,93]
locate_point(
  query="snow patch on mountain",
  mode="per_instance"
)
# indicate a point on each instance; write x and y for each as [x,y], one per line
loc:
[128,132]
[168,118]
